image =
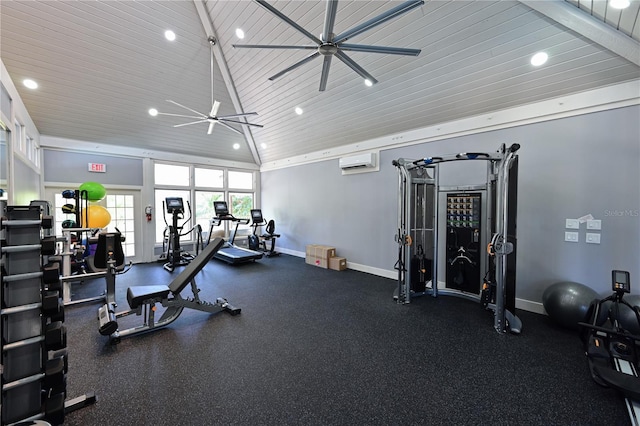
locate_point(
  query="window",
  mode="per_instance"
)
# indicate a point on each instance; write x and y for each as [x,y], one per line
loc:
[240,180]
[164,219]
[204,207]
[121,209]
[167,174]
[209,178]
[201,186]
[241,205]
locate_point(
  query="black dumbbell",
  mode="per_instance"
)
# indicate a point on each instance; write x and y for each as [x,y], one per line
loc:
[55,336]
[51,273]
[54,408]
[48,245]
[47,222]
[54,376]
[62,353]
[51,302]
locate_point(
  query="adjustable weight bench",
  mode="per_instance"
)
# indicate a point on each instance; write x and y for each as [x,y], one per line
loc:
[142,299]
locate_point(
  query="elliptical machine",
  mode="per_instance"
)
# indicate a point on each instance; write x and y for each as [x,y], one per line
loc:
[255,242]
[612,350]
[173,254]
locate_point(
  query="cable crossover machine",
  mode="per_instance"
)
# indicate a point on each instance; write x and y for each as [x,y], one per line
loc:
[479,222]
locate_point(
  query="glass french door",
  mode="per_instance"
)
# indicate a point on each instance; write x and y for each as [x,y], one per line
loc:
[124,208]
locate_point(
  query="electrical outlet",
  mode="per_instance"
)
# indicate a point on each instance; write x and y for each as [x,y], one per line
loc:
[595,224]
[571,224]
[593,238]
[572,237]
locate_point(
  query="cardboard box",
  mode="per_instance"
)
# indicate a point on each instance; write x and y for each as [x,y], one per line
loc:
[319,255]
[337,263]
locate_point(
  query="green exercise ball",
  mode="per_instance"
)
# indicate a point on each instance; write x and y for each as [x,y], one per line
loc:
[95,191]
[567,303]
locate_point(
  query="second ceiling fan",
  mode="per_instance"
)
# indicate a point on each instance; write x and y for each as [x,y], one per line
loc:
[330,45]
[212,118]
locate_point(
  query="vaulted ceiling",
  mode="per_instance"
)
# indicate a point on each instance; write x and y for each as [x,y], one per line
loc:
[101,65]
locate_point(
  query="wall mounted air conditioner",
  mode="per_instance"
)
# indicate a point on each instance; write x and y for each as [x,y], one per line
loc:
[359,163]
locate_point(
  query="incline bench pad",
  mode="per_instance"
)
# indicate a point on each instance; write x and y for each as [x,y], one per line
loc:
[137,295]
[191,270]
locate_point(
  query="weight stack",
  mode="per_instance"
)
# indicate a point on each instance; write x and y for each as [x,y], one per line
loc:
[33,379]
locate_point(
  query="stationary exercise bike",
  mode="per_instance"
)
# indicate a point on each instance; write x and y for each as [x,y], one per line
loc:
[260,243]
[174,255]
[612,350]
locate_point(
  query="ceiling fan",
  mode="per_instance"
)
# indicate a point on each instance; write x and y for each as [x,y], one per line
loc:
[330,45]
[212,118]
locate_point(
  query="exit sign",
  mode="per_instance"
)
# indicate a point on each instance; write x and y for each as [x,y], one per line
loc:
[97,168]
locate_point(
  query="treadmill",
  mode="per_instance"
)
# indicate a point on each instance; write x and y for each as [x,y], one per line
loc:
[229,252]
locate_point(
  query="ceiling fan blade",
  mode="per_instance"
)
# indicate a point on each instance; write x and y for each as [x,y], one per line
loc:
[244,114]
[380,49]
[239,122]
[277,46]
[193,122]
[230,128]
[187,108]
[214,109]
[288,20]
[329,19]
[211,124]
[180,115]
[357,68]
[296,65]
[326,64]
[374,22]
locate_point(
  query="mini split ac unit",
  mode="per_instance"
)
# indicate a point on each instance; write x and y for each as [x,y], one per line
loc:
[358,162]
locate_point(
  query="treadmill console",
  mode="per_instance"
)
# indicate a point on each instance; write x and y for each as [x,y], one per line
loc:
[620,281]
[221,208]
[174,205]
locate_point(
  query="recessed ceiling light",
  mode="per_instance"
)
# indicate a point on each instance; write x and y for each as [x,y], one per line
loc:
[239,33]
[236,146]
[299,111]
[619,4]
[30,83]
[368,82]
[263,145]
[170,35]
[153,112]
[539,59]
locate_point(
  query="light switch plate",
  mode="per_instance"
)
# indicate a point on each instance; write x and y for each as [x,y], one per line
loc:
[593,238]
[594,224]
[571,224]
[572,237]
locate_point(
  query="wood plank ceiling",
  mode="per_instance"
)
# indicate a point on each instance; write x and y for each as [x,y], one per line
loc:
[102,64]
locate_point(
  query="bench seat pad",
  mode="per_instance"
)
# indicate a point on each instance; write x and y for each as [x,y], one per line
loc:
[138,294]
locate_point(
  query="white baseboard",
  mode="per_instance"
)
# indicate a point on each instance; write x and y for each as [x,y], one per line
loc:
[525,305]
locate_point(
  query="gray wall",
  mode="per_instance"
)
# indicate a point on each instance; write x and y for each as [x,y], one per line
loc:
[26,183]
[61,166]
[568,168]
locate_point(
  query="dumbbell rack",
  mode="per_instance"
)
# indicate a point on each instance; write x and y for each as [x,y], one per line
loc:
[33,343]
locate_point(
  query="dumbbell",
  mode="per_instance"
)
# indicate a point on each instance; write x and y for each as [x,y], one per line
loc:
[52,306]
[51,273]
[48,245]
[47,222]
[54,408]
[55,336]
[55,379]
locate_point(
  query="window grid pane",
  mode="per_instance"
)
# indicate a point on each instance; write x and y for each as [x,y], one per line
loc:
[240,180]
[168,174]
[211,178]
[116,207]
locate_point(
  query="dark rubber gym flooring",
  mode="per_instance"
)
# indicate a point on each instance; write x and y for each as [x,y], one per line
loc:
[321,347]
